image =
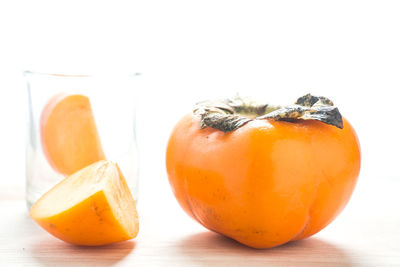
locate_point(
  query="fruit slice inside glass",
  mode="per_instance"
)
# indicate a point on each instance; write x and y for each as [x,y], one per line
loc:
[69,136]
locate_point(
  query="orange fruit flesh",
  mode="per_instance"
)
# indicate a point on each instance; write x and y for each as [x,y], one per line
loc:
[91,207]
[69,134]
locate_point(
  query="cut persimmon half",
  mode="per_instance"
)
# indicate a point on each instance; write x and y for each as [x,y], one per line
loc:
[69,136]
[92,207]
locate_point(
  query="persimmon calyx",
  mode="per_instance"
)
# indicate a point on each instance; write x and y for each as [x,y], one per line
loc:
[230,114]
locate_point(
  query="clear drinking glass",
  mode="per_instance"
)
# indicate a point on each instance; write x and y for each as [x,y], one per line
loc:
[112,101]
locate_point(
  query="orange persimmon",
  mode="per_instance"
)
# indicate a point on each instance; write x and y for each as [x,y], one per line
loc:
[92,207]
[70,140]
[260,175]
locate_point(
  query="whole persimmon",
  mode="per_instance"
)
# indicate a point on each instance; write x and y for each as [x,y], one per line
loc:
[263,175]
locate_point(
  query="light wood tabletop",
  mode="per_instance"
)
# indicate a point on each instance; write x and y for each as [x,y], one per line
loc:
[367,233]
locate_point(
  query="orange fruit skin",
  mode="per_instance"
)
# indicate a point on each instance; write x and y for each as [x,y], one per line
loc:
[69,136]
[90,223]
[267,183]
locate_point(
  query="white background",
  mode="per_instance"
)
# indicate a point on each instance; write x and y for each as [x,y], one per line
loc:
[348,51]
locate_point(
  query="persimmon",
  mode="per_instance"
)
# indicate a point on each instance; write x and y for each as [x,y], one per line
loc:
[92,207]
[263,175]
[69,136]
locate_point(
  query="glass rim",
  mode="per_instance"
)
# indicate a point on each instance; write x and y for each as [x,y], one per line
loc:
[28,73]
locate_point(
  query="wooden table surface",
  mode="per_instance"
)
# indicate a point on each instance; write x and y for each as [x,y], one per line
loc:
[367,233]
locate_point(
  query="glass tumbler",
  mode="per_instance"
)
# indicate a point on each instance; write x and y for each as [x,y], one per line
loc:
[76,120]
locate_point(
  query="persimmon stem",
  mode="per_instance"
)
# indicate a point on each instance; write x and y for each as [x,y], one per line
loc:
[230,114]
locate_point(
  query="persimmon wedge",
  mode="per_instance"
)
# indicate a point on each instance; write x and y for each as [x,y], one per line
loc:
[69,134]
[92,207]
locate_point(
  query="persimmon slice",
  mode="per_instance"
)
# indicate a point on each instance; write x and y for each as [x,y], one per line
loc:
[69,134]
[92,207]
